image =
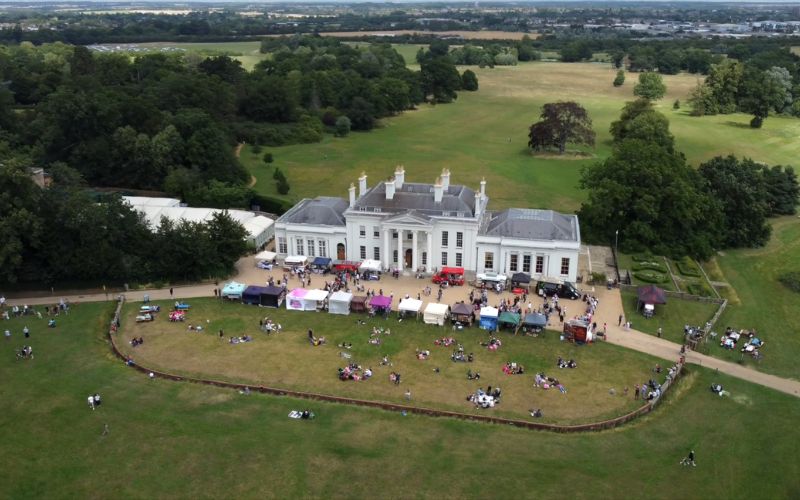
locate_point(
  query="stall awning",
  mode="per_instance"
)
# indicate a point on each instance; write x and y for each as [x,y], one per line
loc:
[273,290]
[536,320]
[341,296]
[370,265]
[295,260]
[489,312]
[509,318]
[521,278]
[410,305]
[265,255]
[462,309]
[316,295]
[380,301]
[321,261]
[651,294]
[233,289]
[435,314]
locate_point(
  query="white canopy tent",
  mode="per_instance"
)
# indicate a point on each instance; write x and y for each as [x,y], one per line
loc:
[265,255]
[410,306]
[436,314]
[339,302]
[295,300]
[314,299]
[370,265]
[295,261]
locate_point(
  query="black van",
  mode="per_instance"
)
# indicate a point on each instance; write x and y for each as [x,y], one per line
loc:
[565,290]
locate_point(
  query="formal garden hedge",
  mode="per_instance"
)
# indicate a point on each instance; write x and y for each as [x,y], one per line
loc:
[688,267]
[650,276]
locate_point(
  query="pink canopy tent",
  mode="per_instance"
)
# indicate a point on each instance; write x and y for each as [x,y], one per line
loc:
[381,302]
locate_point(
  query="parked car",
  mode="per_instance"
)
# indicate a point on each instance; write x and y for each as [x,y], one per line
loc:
[564,290]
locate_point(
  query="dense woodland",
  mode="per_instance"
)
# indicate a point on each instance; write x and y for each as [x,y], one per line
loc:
[171,122]
[658,202]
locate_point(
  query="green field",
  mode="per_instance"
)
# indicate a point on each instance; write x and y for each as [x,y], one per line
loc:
[288,361]
[484,134]
[671,317]
[248,53]
[171,439]
[766,304]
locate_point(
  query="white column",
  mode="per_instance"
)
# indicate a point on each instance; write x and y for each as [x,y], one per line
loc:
[387,250]
[400,255]
[414,252]
[429,265]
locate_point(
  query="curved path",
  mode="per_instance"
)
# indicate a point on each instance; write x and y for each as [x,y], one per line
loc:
[609,309]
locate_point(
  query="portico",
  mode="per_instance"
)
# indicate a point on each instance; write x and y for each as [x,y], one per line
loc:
[411,232]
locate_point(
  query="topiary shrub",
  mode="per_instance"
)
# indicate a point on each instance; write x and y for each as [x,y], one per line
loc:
[687,267]
[650,265]
[756,122]
[644,257]
[791,280]
[650,277]
[256,148]
[268,158]
[598,278]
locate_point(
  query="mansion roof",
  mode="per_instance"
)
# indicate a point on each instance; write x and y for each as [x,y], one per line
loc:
[457,201]
[322,210]
[532,224]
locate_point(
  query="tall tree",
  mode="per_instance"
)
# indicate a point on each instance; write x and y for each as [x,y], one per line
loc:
[562,123]
[651,86]
[653,198]
[740,188]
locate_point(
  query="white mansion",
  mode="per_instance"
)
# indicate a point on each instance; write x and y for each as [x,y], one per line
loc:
[417,226]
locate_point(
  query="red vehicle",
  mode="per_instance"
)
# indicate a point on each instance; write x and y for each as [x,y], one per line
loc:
[450,275]
[346,265]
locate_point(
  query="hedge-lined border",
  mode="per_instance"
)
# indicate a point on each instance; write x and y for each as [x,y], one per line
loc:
[594,426]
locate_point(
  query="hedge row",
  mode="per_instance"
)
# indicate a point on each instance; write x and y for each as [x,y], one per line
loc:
[687,267]
[701,289]
[652,265]
[650,277]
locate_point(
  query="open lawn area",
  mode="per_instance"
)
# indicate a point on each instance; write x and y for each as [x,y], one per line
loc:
[248,53]
[168,439]
[289,361]
[671,317]
[765,304]
[484,134]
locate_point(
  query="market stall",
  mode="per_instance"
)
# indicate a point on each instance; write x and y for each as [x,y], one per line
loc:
[508,320]
[273,296]
[462,313]
[346,266]
[252,295]
[358,304]
[315,299]
[409,307]
[339,302]
[233,290]
[436,314]
[381,304]
[579,331]
[488,317]
[534,323]
[321,265]
[295,300]
[265,259]
[294,262]
[647,298]
[520,280]
[370,269]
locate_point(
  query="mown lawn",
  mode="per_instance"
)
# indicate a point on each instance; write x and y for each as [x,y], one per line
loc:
[484,134]
[289,361]
[765,304]
[671,317]
[171,439]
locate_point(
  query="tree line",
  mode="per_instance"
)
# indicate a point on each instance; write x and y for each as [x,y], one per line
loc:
[657,201]
[170,122]
[62,233]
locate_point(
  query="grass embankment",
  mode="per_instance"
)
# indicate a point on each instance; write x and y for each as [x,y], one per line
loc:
[671,317]
[187,440]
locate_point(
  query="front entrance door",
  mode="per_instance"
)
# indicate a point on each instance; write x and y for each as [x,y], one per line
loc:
[407,259]
[340,251]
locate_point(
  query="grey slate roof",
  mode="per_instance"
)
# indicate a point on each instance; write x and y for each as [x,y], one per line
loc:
[322,210]
[419,197]
[531,224]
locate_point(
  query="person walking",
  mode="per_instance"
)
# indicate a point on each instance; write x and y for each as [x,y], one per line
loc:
[636,392]
[170,292]
[408,394]
[659,332]
[619,323]
[689,460]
